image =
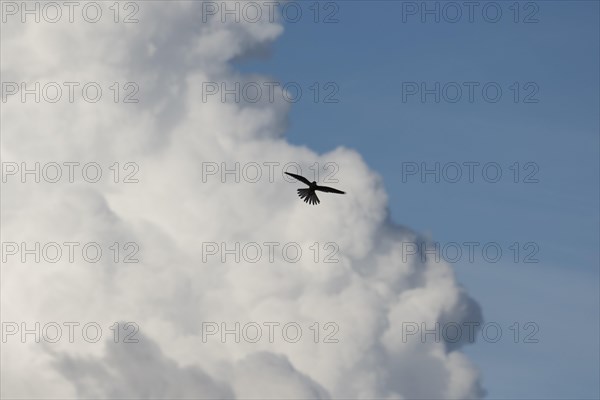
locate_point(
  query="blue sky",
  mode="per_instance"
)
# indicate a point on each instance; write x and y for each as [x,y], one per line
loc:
[370,53]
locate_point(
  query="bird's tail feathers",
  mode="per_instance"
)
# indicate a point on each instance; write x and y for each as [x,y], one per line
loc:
[308,196]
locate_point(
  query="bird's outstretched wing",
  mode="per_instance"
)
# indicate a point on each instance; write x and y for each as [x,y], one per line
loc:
[329,189]
[309,196]
[299,177]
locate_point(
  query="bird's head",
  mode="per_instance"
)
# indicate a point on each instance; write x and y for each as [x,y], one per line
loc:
[314,182]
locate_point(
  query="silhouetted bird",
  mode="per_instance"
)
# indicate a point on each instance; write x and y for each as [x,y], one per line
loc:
[309,194]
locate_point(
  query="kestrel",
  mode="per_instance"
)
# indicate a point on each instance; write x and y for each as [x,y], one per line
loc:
[309,194]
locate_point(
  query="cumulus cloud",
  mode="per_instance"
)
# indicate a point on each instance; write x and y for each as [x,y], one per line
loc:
[173,292]
[139,371]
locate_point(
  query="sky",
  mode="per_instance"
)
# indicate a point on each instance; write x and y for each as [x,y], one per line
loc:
[363,120]
[371,52]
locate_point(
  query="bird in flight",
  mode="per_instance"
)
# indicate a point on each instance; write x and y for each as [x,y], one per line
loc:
[309,194]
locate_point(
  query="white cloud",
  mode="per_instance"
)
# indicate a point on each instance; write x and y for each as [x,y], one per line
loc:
[171,212]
